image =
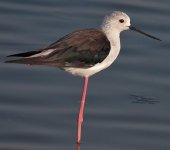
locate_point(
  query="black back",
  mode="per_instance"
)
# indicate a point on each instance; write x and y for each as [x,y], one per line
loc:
[83,48]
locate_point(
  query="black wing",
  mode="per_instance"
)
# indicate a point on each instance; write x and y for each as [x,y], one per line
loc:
[82,48]
[26,54]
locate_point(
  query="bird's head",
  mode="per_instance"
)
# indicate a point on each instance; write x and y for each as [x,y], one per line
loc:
[119,21]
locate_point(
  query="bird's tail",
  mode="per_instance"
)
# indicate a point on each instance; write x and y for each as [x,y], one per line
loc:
[27,58]
[37,61]
[30,61]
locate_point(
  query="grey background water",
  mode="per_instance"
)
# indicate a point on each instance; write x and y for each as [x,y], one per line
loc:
[128,105]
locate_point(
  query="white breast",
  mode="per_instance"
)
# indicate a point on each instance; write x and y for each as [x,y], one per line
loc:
[99,66]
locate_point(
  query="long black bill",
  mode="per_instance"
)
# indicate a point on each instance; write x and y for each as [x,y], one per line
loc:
[137,30]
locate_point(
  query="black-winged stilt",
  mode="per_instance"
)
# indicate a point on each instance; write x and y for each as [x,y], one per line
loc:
[84,52]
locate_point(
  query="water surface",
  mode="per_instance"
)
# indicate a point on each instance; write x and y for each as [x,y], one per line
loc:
[127,106]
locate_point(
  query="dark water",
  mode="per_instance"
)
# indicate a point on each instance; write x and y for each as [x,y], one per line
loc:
[128,105]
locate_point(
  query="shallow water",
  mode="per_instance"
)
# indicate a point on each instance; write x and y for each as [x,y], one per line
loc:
[127,106]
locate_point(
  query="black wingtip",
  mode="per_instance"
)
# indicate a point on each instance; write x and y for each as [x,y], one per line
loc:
[25,54]
[14,55]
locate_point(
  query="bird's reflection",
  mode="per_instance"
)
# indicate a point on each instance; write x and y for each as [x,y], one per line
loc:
[78,146]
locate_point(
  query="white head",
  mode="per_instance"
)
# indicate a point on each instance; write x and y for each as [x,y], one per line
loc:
[119,21]
[116,21]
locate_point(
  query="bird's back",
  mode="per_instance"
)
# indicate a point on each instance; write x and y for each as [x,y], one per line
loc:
[83,48]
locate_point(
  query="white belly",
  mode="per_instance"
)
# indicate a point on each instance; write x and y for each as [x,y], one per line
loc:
[98,67]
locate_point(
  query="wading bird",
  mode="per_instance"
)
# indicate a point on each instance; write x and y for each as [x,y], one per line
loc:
[83,53]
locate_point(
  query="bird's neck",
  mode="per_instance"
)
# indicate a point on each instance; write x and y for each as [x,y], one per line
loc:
[114,37]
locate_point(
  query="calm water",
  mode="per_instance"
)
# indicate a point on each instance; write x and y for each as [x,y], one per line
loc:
[128,105]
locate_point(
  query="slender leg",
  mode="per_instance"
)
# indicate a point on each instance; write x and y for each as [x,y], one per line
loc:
[80,116]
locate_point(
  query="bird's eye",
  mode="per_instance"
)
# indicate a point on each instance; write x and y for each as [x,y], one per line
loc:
[121,21]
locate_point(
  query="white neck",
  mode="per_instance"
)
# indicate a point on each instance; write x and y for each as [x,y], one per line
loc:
[113,36]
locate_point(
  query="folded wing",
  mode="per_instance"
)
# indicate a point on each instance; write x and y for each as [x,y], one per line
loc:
[83,48]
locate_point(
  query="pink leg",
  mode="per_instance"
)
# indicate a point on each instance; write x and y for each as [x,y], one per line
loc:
[80,116]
